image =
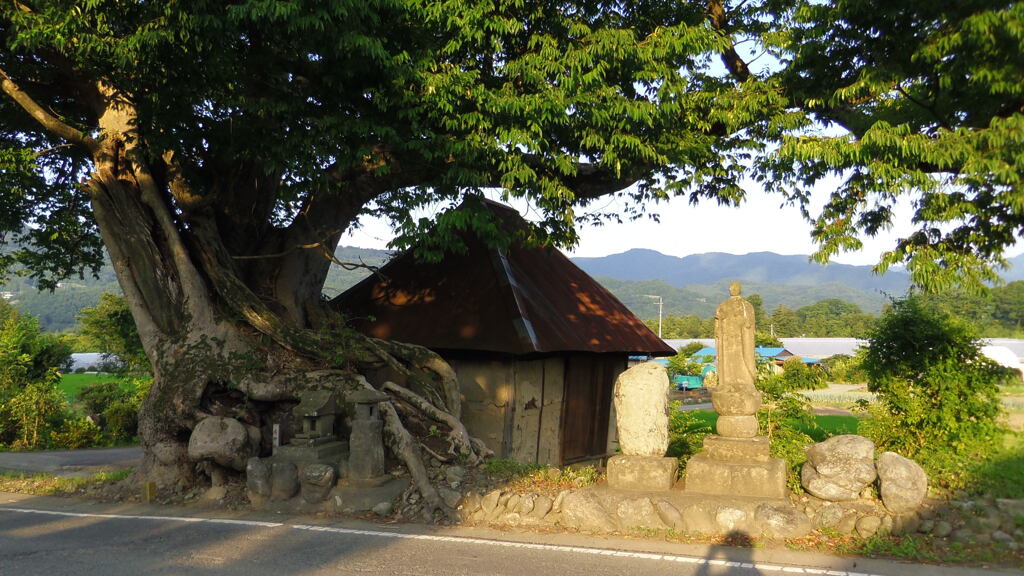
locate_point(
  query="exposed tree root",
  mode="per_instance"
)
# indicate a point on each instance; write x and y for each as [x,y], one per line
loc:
[403,445]
[412,361]
[461,443]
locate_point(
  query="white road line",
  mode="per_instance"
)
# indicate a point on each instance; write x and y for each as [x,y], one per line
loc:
[760,567]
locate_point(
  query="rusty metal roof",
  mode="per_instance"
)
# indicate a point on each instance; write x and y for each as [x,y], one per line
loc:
[525,300]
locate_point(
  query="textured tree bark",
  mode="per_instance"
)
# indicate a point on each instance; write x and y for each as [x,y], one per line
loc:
[227,302]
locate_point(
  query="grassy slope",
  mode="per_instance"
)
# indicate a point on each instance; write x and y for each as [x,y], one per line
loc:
[72,384]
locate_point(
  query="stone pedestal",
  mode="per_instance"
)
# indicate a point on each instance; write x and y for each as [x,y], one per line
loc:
[312,451]
[648,473]
[736,467]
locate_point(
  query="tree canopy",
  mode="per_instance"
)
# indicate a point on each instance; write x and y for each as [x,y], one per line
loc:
[332,110]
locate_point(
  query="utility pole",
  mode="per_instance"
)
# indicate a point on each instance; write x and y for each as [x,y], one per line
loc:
[661,304]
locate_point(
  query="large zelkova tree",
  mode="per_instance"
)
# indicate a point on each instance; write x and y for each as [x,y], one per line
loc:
[911,99]
[220,150]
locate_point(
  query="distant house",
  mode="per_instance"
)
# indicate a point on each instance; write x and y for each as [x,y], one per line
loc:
[94,362]
[535,341]
[806,348]
[777,356]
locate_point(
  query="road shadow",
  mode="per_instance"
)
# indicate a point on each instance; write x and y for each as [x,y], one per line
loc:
[734,556]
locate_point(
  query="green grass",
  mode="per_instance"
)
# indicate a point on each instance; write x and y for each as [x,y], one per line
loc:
[830,425]
[72,384]
[44,484]
[826,425]
[1000,476]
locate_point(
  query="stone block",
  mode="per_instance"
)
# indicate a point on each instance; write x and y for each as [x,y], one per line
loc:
[669,515]
[284,481]
[316,481]
[641,472]
[641,410]
[257,476]
[736,403]
[755,479]
[756,449]
[737,426]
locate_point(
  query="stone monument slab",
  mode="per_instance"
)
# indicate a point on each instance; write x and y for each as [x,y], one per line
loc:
[647,473]
[738,449]
[758,479]
[641,410]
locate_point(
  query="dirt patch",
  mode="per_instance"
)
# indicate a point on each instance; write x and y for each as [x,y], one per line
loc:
[829,411]
[1015,420]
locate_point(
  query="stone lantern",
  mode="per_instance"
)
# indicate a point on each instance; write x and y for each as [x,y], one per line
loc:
[366,442]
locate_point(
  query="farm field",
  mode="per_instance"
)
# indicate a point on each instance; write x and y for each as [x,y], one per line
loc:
[72,384]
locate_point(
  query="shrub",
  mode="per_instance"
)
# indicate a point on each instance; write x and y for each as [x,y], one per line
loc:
[796,375]
[845,369]
[937,394]
[121,422]
[118,403]
[37,410]
[95,398]
[783,416]
[686,432]
[76,433]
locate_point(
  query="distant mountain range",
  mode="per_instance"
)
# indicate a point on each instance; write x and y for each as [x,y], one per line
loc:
[1016,271]
[688,285]
[695,284]
[756,268]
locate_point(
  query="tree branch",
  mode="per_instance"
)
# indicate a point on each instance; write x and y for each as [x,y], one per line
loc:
[730,57]
[48,121]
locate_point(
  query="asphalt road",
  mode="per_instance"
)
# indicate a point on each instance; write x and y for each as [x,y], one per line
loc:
[54,537]
[70,462]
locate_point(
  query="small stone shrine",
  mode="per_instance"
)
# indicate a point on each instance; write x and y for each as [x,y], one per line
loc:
[317,442]
[736,461]
[641,419]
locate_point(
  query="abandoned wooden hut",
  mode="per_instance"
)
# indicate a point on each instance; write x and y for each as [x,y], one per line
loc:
[537,343]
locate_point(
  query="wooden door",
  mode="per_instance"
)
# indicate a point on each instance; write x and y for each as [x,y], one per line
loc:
[589,379]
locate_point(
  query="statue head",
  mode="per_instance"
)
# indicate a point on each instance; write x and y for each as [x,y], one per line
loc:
[734,289]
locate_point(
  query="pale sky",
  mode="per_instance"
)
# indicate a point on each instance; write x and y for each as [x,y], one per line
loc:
[758,225]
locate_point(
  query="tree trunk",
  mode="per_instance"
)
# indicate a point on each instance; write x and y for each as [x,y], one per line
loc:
[227,303]
[207,332]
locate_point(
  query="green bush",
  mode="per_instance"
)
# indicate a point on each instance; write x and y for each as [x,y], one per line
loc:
[783,418]
[845,369]
[796,375]
[76,433]
[118,403]
[121,422]
[937,395]
[37,410]
[686,432]
[95,398]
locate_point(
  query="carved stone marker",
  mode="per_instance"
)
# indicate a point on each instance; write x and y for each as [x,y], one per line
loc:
[641,420]
[736,462]
[366,444]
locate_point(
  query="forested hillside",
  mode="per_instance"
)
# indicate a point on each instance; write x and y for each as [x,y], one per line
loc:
[796,305]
